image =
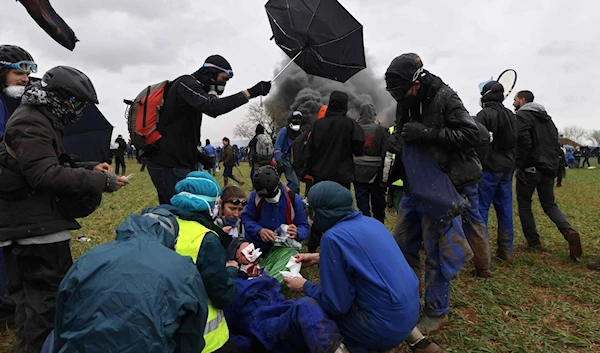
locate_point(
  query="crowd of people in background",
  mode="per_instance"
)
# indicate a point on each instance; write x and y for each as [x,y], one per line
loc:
[203,269]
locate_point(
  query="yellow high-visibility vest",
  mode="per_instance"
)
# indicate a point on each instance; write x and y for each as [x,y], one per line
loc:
[216,332]
[398,182]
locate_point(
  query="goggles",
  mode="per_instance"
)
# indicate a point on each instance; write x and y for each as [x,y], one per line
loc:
[398,92]
[228,72]
[23,66]
[237,202]
[77,105]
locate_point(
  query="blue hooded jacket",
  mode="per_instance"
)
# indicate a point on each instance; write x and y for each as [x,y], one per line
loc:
[132,295]
[366,284]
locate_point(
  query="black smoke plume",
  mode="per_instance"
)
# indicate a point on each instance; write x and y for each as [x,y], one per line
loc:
[295,90]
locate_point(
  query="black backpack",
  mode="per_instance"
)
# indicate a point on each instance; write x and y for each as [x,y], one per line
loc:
[299,152]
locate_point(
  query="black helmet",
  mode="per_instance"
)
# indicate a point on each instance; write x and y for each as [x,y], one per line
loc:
[266,181]
[13,54]
[71,82]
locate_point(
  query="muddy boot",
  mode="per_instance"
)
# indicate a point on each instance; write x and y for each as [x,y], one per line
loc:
[574,240]
[342,349]
[482,273]
[504,255]
[430,324]
[594,265]
[426,346]
[526,246]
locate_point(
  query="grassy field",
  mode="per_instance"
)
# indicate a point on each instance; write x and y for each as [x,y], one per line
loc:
[541,303]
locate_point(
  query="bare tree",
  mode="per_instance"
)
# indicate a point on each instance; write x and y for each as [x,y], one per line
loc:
[575,133]
[256,115]
[594,136]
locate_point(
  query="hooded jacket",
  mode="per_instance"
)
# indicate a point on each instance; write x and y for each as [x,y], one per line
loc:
[498,156]
[458,134]
[181,119]
[368,167]
[538,144]
[334,140]
[366,284]
[30,184]
[132,295]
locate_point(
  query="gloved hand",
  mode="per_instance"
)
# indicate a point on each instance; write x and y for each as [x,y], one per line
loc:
[280,167]
[395,146]
[417,132]
[114,182]
[260,89]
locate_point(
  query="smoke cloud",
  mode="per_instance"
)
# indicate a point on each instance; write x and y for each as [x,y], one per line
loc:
[295,90]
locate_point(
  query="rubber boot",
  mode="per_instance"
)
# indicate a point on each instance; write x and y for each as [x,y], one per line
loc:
[574,240]
[426,346]
[430,324]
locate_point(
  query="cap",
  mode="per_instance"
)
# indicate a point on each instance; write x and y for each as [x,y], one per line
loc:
[403,71]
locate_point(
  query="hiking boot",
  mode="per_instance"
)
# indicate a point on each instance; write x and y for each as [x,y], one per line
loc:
[342,349]
[430,324]
[526,246]
[504,256]
[482,273]
[428,347]
[594,265]
[574,240]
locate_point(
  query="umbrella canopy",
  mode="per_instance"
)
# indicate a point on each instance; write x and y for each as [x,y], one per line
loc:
[321,36]
[45,16]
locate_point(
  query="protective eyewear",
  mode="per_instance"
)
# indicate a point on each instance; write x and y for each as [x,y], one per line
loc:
[237,202]
[77,105]
[228,72]
[23,66]
[399,92]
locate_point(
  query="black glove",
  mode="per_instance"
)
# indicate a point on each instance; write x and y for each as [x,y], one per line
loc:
[260,89]
[280,167]
[417,132]
[394,144]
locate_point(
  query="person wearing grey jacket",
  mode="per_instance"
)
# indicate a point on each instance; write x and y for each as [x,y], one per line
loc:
[369,166]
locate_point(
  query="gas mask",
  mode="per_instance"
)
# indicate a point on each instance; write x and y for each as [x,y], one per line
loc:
[14,91]
[216,88]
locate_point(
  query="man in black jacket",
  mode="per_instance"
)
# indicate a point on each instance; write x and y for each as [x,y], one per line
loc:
[187,98]
[432,115]
[368,168]
[120,155]
[35,188]
[498,160]
[335,139]
[537,165]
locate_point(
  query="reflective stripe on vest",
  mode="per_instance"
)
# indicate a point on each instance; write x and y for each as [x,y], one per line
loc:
[191,235]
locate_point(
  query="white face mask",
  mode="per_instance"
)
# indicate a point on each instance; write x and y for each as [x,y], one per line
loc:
[295,127]
[14,91]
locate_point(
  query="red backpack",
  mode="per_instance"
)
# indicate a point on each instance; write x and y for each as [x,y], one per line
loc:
[143,115]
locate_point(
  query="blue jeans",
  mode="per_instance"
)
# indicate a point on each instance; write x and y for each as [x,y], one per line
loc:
[370,197]
[290,176]
[413,229]
[475,229]
[496,188]
[164,179]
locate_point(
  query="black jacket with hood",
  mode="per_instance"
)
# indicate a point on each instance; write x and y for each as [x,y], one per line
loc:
[538,144]
[499,155]
[334,140]
[180,121]
[458,134]
[368,167]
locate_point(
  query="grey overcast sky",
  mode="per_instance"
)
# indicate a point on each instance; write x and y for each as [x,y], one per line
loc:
[127,44]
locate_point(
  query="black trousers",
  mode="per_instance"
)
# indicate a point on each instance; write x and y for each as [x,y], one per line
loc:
[34,273]
[120,163]
[527,183]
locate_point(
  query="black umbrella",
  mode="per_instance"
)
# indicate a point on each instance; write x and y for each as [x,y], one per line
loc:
[43,13]
[321,36]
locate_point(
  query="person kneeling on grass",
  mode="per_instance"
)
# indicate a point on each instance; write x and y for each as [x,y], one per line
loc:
[205,243]
[230,208]
[262,320]
[367,287]
[275,220]
[134,294]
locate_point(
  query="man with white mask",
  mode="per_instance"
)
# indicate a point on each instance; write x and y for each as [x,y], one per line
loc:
[285,138]
[15,66]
